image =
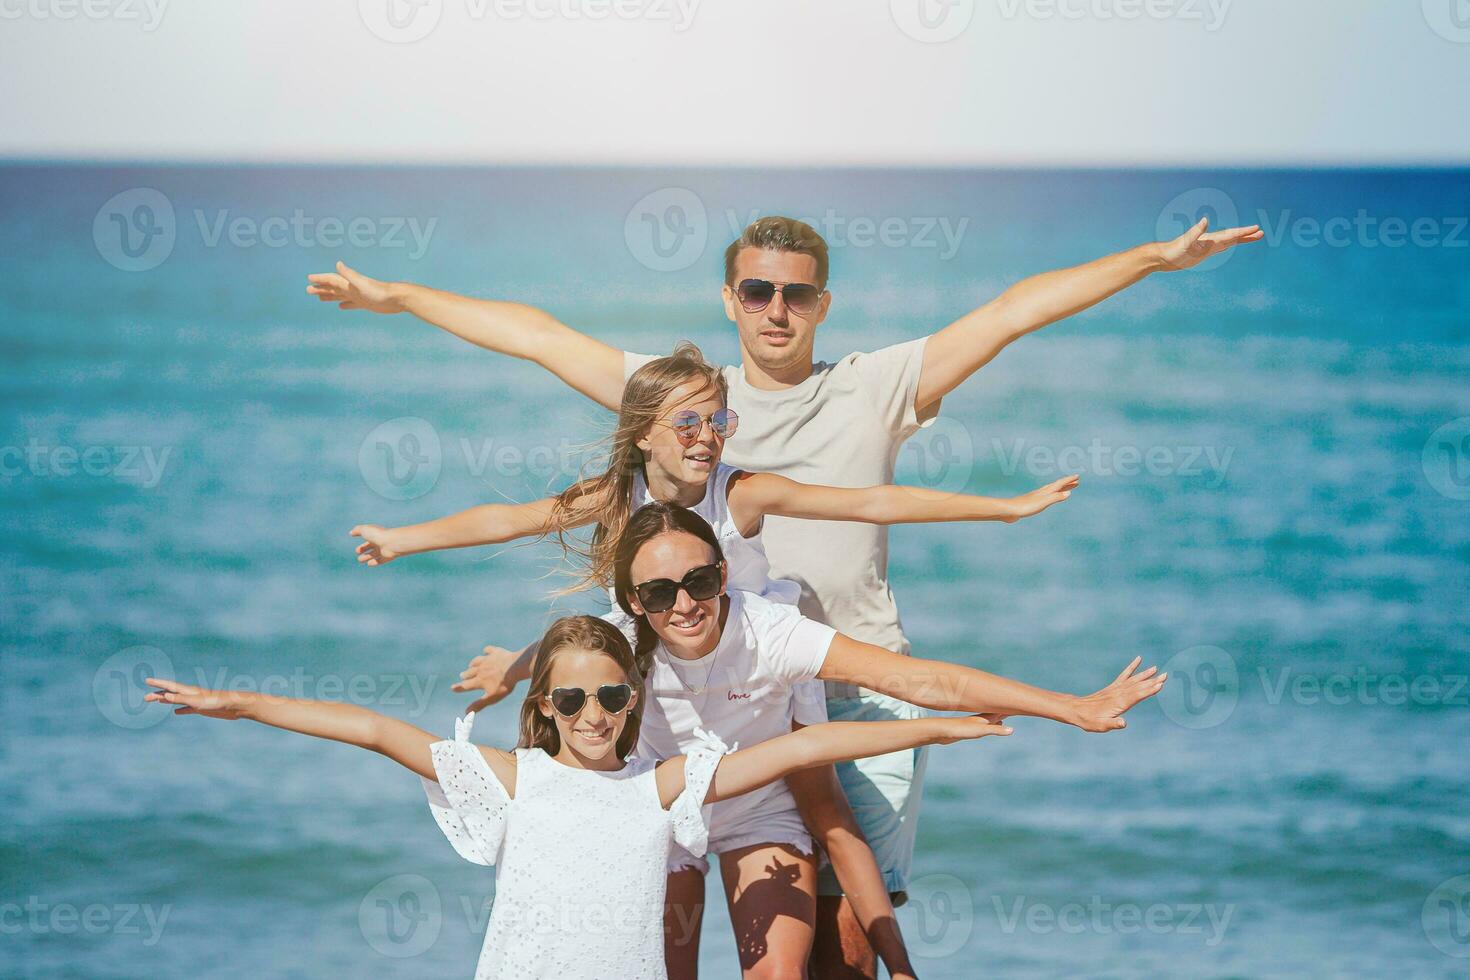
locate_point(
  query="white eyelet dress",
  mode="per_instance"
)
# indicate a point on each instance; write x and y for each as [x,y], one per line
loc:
[580,856]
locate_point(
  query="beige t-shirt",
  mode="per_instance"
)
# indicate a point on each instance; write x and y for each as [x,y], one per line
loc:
[841,427]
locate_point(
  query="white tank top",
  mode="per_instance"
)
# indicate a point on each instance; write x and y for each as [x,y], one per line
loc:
[745,558]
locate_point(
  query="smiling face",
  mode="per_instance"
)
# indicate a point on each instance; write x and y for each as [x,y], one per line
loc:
[591,735]
[665,455]
[775,338]
[692,627]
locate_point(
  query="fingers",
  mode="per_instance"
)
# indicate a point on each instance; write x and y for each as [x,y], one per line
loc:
[1127,671]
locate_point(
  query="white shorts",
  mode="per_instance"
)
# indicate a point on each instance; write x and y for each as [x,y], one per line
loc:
[782,827]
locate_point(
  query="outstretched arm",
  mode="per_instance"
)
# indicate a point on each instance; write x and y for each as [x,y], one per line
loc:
[485,524]
[820,745]
[398,740]
[951,687]
[754,495]
[971,342]
[588,365]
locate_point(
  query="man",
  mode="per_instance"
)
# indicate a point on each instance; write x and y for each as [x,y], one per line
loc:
[836,423]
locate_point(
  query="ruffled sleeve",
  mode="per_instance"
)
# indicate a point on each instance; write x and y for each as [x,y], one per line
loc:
[689,812]
[469,802]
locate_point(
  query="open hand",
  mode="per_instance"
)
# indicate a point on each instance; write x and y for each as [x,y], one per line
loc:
[1038,500]
[351,290]
[973,726]
[1103,711]
[490,672]
[376,548]
[1199,243]
[193,700]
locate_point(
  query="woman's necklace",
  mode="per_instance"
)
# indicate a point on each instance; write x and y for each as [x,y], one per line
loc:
[704,685]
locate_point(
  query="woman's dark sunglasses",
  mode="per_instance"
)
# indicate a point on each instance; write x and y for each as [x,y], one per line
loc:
[756,294]
[568,701]
[659,594]
[689,423]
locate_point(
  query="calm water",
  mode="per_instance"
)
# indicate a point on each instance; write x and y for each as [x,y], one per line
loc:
[1276,501]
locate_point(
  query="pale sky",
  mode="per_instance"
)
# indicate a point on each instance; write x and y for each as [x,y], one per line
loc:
[740,82]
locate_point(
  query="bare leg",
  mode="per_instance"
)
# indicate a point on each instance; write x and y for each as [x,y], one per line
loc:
[683,914]
[772,891]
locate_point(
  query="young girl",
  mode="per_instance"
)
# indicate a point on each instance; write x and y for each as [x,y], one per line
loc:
[579,836]
[725,662]
[670,435]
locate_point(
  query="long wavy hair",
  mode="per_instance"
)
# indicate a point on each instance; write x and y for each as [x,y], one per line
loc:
[582,633]
[649,522]
[608,497]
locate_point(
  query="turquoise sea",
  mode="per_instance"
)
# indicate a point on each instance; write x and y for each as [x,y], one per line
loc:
[1275,503]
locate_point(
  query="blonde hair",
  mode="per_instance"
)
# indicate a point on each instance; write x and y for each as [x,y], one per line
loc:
[582,633]
[609,496]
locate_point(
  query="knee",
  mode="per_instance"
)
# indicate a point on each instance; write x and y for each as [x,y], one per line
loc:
[773,969]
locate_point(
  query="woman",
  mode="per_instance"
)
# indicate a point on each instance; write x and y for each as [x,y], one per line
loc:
[727,662]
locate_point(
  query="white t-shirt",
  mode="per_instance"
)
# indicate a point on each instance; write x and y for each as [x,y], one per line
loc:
[841,427]
[743,691]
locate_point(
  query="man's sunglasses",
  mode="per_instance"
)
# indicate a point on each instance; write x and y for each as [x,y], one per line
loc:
[688,424]
[569,701]
[756,294]
[659,594]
